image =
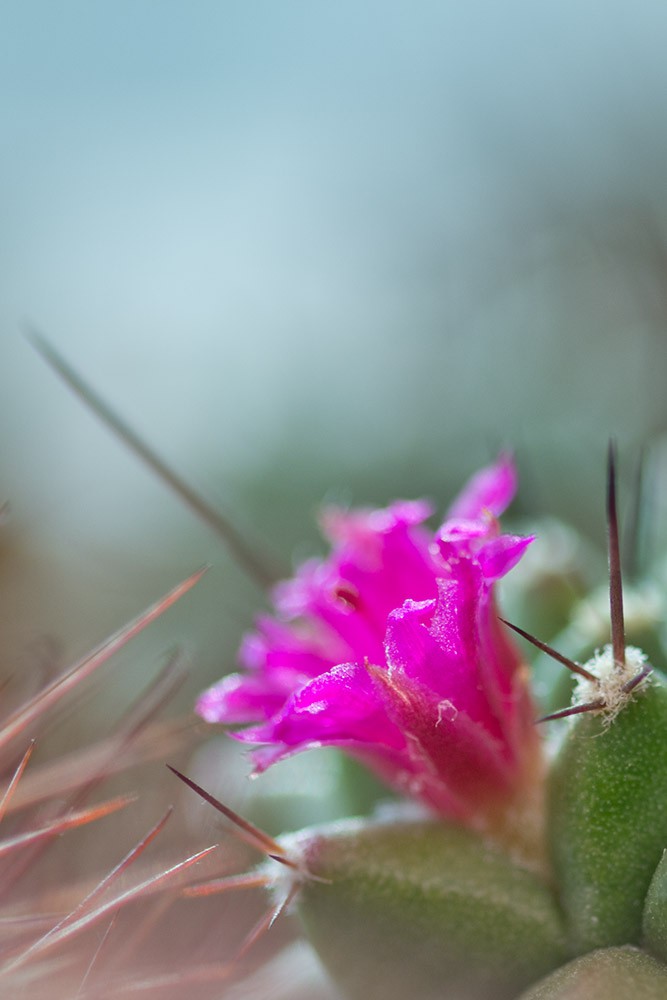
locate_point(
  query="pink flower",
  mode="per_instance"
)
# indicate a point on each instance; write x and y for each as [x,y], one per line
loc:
[391,649]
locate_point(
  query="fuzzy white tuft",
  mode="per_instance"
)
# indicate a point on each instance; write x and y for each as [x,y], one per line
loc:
[611,680]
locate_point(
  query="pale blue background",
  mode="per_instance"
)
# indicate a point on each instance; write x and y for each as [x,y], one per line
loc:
[315,249]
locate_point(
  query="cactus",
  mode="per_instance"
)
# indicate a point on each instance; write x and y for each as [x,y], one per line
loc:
[530,878]
[455,908]
[524,874]
[607,974]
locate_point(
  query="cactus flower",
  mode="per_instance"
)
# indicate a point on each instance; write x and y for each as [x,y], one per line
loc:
[391,650]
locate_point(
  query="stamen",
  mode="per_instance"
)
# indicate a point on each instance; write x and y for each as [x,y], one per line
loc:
[347,595]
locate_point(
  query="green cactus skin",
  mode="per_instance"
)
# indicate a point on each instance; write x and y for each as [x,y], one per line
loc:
[426,910]
[655,912]
[611,974]
[608,819]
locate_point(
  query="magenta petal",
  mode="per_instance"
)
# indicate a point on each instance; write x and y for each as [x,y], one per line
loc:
[380,559]
[445,746]
[434,651]
[438,645]
[275,646]
[501,554]
[340,705]
[456,530]
[345,527]
[301,594]
[240,699]
[490,489]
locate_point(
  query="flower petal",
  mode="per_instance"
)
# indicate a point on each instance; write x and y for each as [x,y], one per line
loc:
[240,698]
[454,759]
[490,489]
[340,706]
[390,648]
[380,559]
[500,555]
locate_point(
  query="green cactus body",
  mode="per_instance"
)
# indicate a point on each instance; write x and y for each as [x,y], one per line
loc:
[609,974]
[608,818]
[655,912]
[424,909]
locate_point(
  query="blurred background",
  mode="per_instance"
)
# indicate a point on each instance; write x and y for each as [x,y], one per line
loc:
[311,251]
